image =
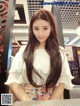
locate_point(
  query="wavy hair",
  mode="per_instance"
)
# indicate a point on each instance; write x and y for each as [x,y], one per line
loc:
[51,47]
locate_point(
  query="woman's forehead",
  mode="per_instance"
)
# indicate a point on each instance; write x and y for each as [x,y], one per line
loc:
[41,22]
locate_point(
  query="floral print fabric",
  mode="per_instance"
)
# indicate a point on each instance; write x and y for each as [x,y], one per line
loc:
[37,93]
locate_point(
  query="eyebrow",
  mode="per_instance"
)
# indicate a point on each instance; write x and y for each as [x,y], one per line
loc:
[42,26]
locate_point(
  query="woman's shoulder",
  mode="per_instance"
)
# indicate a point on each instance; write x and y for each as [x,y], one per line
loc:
[19,54]
[21,50]
[61,48]
[62,52]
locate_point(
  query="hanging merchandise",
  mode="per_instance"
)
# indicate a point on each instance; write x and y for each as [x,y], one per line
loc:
[73,59]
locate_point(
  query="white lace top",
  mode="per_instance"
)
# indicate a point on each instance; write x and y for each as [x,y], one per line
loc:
[17,72]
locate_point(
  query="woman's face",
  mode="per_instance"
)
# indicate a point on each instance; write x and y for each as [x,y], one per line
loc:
[41,30]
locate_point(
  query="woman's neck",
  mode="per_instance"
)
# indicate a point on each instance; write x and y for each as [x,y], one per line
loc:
[41,45]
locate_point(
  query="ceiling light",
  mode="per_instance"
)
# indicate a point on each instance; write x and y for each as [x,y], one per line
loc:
[18,30]
[77,13]
[69,31]
[24,43]
[78,29]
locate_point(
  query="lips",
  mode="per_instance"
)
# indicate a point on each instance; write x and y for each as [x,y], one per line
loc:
[41,37]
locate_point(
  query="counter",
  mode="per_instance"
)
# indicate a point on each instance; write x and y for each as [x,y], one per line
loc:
[66,102]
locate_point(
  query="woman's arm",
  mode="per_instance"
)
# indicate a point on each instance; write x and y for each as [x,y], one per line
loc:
[58,92]
[19,92]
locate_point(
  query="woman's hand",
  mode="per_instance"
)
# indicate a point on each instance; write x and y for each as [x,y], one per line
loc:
[57,92]
[19,92]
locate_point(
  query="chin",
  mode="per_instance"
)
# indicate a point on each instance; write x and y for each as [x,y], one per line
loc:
[41,41]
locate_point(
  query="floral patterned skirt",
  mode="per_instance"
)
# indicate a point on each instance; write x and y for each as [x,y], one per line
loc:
[37,93]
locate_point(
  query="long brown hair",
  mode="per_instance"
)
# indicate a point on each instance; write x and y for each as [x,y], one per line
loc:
[51,47]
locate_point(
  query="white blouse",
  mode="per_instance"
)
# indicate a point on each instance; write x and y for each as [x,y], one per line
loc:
[41,63]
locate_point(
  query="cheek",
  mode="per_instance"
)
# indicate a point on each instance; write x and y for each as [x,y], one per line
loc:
[48,33]
[35,33]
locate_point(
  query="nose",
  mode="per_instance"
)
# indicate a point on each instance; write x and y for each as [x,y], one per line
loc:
[40,32]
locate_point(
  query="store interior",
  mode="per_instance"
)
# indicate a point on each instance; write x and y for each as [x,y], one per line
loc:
[68,20]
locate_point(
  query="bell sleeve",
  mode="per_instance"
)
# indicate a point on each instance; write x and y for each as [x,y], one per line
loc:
[15,72]
[66,76]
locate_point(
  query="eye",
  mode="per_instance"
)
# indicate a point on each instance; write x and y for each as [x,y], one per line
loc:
[45,28]
[35,28]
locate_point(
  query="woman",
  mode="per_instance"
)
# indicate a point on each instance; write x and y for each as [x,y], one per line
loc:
[40,70]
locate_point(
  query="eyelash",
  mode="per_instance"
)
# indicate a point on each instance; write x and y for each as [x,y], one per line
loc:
[45,28]
[38,29]
[35,28]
